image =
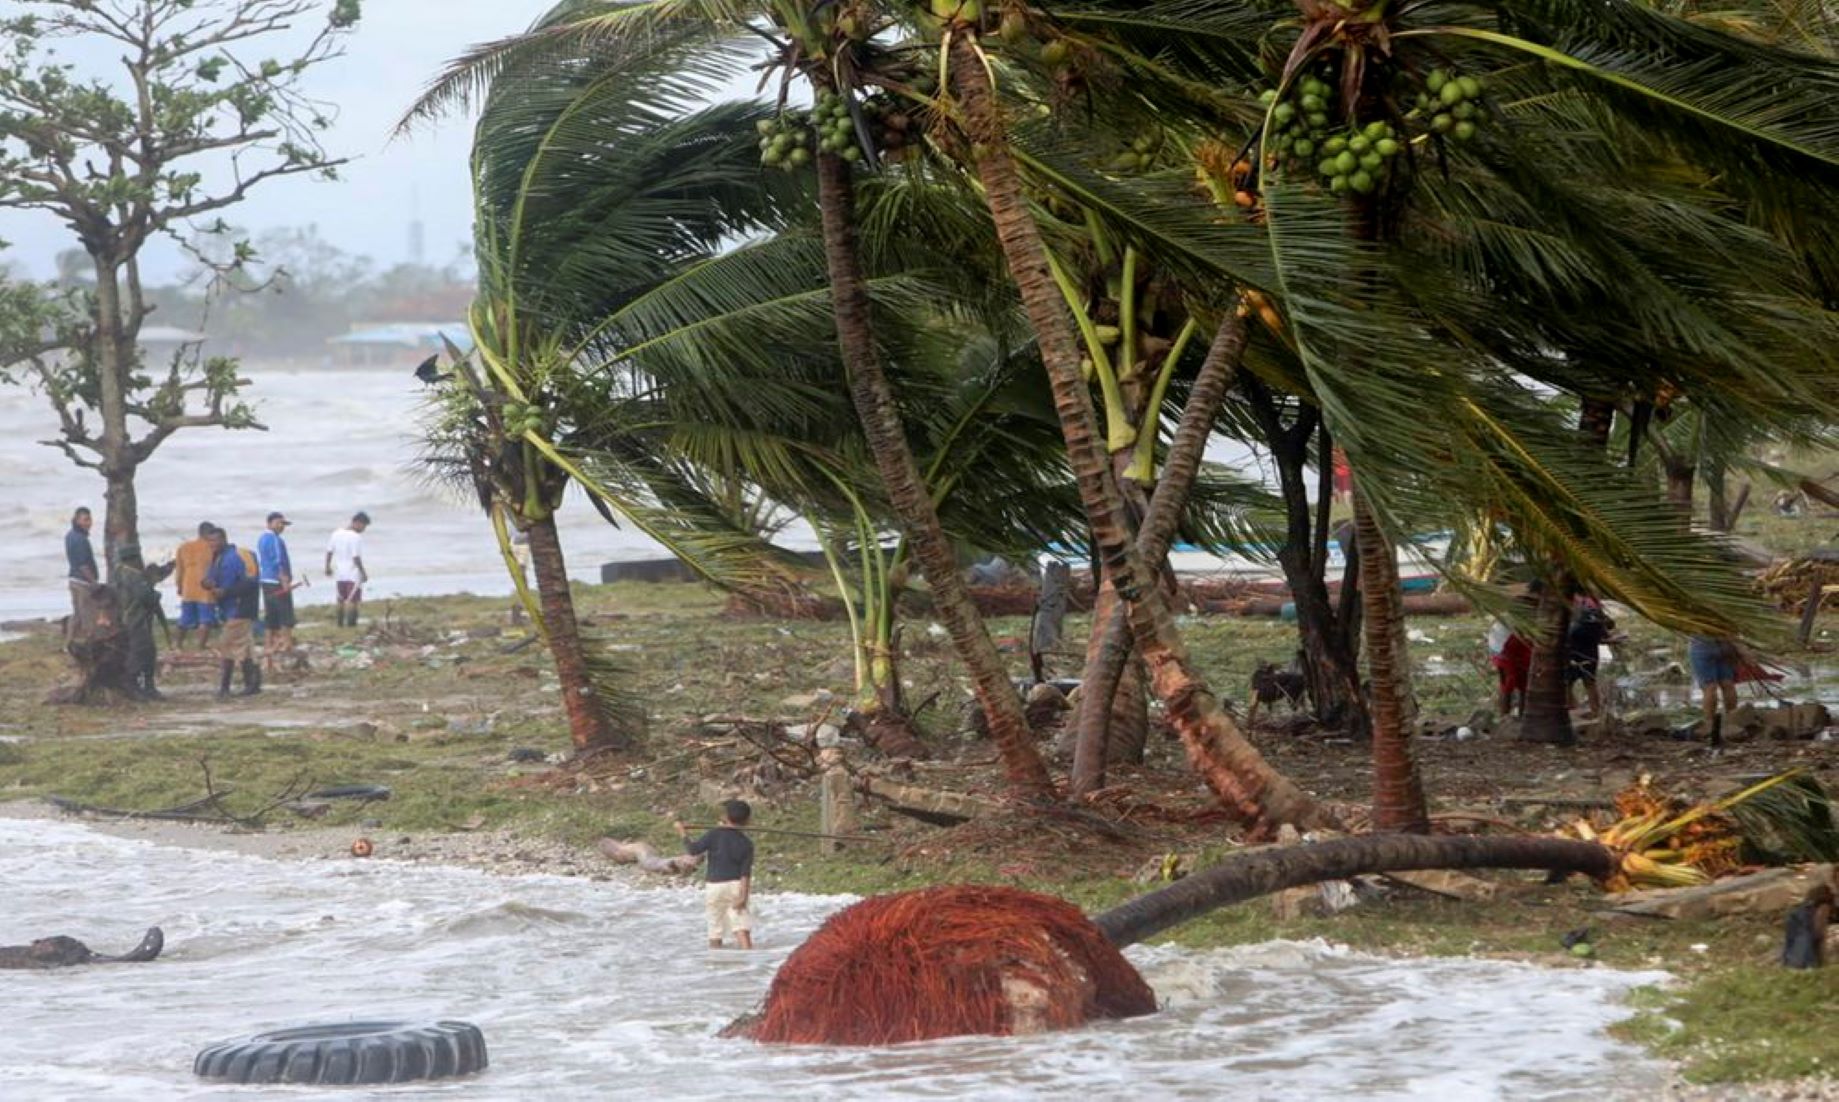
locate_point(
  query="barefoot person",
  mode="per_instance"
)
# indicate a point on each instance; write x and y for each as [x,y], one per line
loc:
[1714,667]
[345,566]
[233,581]
[730,874]
[277,577]
[191,564]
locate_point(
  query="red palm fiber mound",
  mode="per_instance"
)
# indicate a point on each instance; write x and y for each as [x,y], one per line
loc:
[944,962]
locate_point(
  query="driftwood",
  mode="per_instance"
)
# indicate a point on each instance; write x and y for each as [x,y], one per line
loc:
[63,952]
[193,812]
[928,805]
[645,857]
[208,808]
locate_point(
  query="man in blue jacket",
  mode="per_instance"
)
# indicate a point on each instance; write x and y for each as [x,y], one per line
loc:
[277,578]
[233,581]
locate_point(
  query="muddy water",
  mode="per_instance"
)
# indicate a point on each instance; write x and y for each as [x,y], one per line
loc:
[598,990]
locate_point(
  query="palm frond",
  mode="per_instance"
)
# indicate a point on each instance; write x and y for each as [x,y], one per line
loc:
[1789,822]
[571,31]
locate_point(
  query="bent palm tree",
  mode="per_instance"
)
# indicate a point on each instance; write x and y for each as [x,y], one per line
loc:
[590,267]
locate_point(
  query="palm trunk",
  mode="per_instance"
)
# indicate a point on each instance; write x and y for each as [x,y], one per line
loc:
[1244,782]
[1331,657]
[1548,704]
[1398,794]
[1253,873]
[1723,512]
[1680,471]
[1547,714]
[1113,722]
[907,493]
[588,725]
[1105,667]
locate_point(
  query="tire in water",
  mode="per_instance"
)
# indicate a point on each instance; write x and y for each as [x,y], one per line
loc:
[348,1053]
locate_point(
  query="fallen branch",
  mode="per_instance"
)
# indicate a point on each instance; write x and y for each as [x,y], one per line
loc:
[183,813]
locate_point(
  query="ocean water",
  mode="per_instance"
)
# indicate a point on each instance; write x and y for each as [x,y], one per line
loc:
[338,441]
[599,990]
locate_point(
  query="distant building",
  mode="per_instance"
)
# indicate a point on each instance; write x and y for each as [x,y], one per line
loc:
[396,344]
[160,343]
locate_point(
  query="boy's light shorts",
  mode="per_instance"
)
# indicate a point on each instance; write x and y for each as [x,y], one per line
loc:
[726,914]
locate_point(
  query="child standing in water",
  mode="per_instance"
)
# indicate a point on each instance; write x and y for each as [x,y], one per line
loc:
[730,874]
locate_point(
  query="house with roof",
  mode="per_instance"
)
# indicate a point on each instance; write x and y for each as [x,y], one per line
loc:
[401,344]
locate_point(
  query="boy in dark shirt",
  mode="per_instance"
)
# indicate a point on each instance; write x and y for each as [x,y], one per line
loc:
[730,874]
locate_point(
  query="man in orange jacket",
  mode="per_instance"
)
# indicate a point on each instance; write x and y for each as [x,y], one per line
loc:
[197,605]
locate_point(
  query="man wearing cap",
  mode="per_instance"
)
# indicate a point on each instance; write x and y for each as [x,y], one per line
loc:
[345,566]
[277,579]
[191,563]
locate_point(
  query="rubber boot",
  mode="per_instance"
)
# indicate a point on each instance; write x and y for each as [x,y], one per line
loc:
[223,685]
[252,678]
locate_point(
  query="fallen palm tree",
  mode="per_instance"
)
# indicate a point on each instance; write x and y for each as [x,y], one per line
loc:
[950,961]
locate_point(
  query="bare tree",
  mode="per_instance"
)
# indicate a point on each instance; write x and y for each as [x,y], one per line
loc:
[194,118]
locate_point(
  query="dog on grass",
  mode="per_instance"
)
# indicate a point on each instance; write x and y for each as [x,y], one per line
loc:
[1271,684]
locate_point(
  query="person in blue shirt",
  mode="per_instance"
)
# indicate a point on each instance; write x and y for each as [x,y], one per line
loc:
[233,581]
[81,558]
[277,578]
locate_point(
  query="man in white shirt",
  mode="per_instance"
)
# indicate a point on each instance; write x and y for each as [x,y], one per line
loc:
[345,565]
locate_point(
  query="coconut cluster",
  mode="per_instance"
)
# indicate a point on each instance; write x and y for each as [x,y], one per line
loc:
[520,418]
[836,132]
[1354,155]
[1451,102]
[786,140]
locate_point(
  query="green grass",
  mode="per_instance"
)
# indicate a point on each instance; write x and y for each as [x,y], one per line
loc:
[1741,1024]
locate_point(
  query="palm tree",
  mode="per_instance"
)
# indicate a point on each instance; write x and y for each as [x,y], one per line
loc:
[1525,209]
[594,270]
[809,43]
[1362,329]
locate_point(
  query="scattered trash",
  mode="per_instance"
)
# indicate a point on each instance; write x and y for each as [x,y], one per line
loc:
[362,848]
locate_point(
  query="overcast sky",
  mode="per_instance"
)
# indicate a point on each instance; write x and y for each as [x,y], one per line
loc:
[398,46]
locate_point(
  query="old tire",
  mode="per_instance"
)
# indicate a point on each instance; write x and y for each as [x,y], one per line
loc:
[348,1053]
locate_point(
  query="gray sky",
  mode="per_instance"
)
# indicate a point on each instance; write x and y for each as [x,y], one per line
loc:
[398,46]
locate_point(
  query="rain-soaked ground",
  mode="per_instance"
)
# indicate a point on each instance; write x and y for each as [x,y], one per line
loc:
[601,990]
